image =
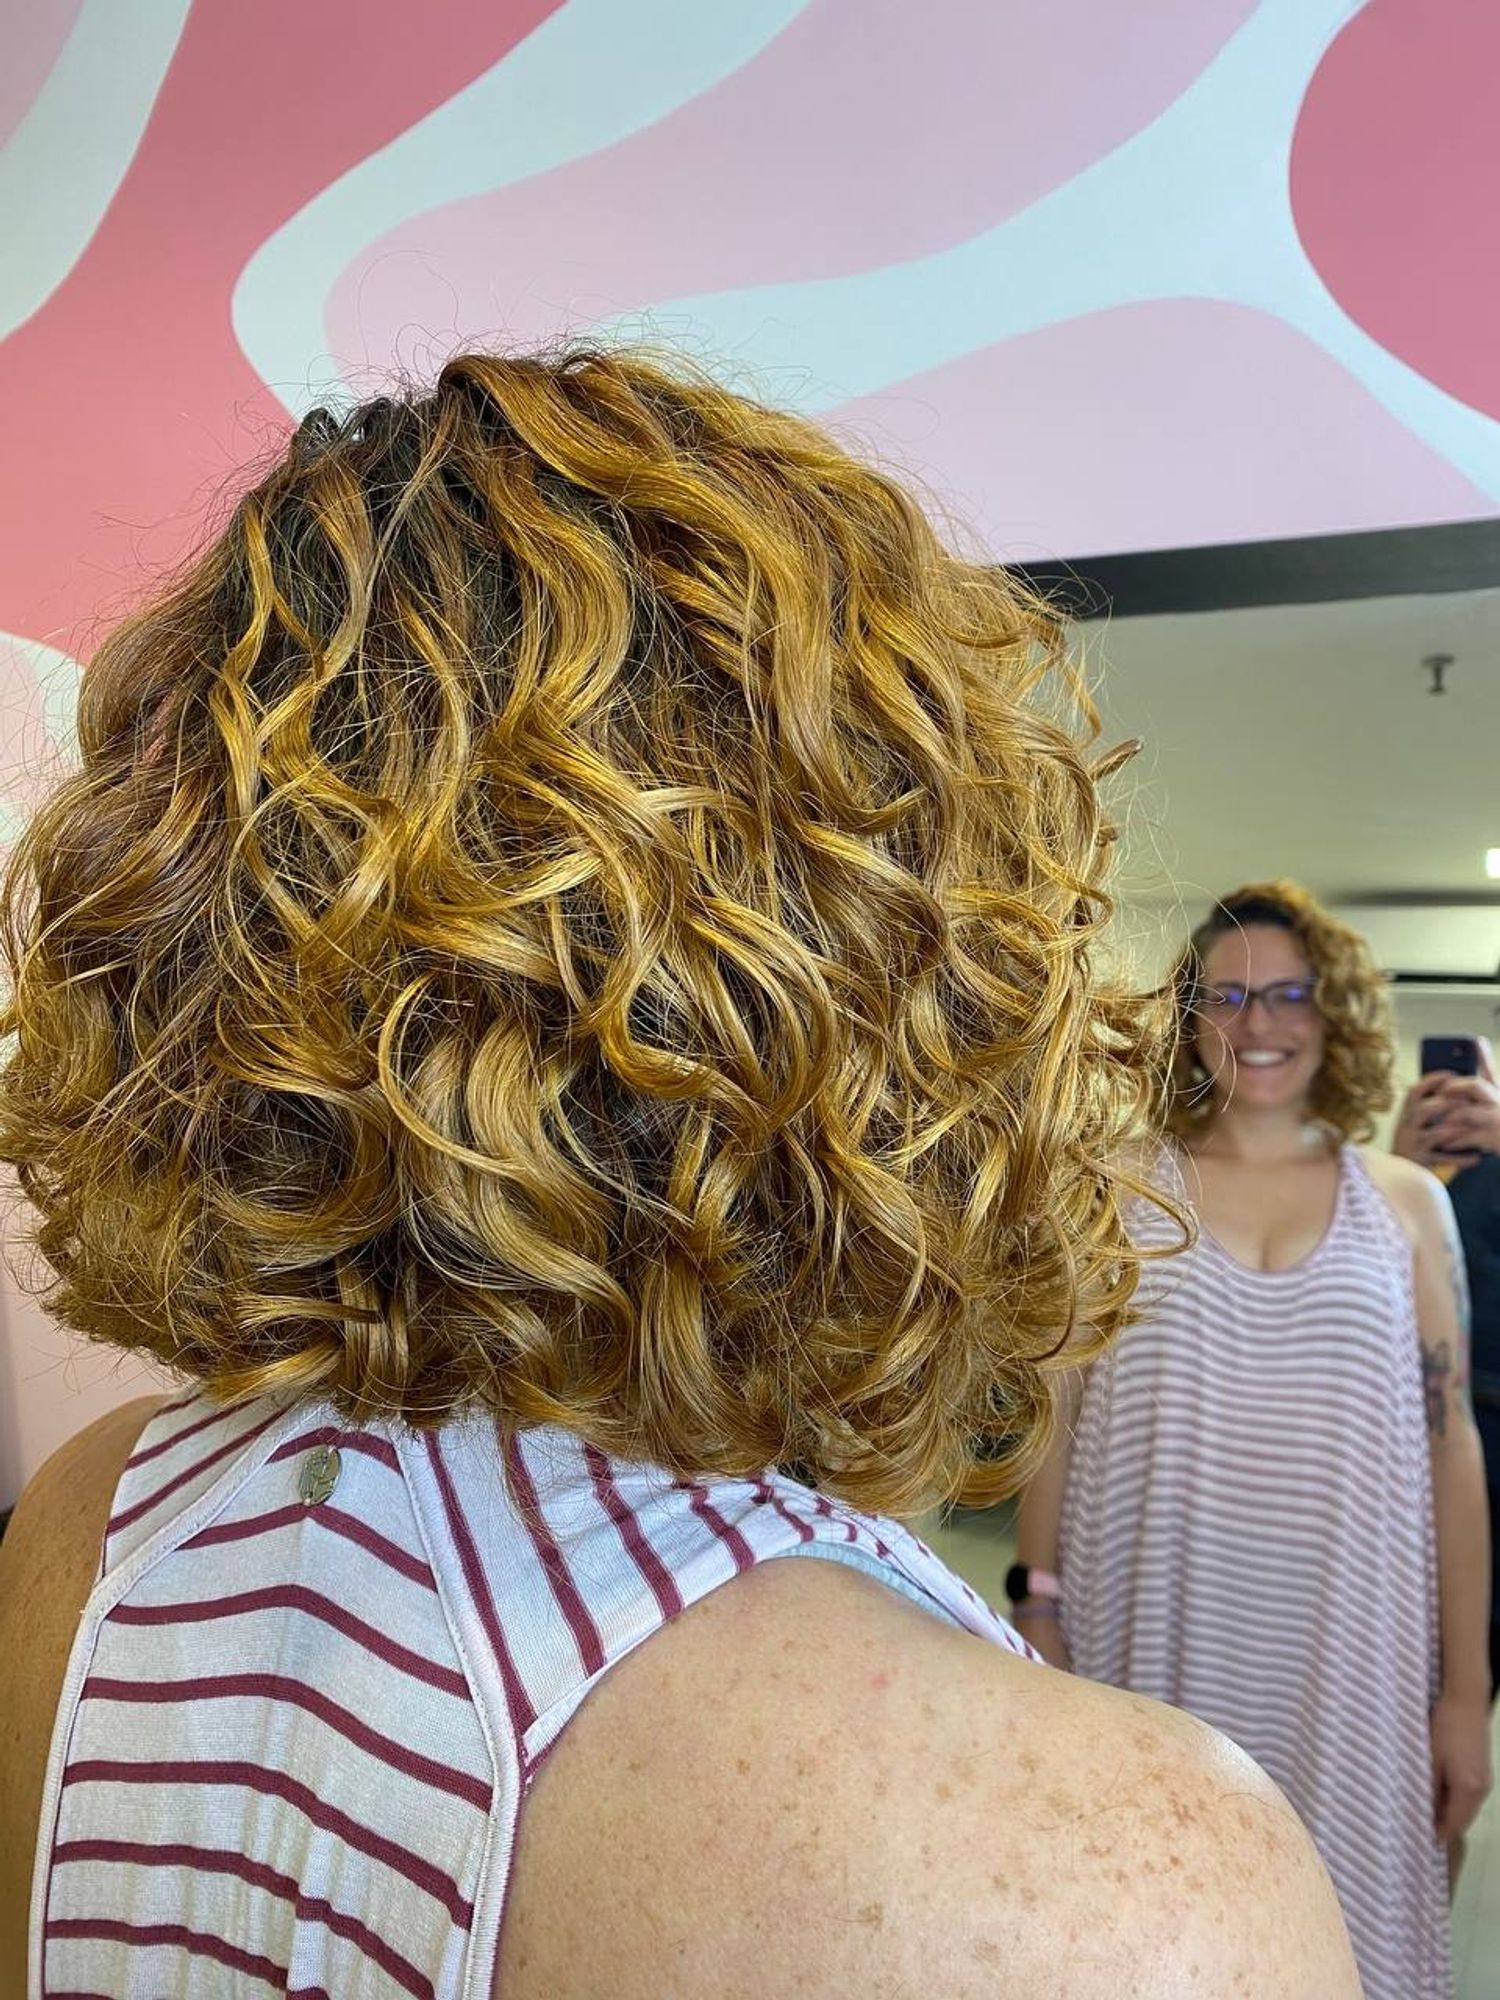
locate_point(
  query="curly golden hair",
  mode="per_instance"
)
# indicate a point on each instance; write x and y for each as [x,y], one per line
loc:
[1353,1084]
[576,904]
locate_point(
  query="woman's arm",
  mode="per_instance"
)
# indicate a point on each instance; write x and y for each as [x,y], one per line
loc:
[1460,1720]
[1039,1520]
[48,1562]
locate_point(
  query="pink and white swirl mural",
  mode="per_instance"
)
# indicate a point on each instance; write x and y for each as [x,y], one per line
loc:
[1105,277]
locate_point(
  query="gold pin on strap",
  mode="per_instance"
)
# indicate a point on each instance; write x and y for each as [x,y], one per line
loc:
[319,1474]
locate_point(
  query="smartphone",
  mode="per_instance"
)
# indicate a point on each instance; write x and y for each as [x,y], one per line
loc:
[1458,1055]
[1453,1055]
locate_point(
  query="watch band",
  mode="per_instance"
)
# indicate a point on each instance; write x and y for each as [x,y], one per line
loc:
[1021,1582]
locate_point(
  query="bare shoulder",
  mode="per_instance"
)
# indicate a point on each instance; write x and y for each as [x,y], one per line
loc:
[48,1561]
[808,1785]
[1417,1195]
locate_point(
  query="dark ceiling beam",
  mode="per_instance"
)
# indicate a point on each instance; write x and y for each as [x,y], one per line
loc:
[1312,569]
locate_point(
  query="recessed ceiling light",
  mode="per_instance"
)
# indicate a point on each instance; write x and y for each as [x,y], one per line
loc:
[1492,863]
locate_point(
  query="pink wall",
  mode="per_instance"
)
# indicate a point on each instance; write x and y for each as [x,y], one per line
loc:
[52,1384]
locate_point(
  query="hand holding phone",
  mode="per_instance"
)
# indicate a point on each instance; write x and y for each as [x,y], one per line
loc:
[1452,1116]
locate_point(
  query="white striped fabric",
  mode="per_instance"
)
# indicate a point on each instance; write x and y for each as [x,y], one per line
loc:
[295,1736]
[1248,1534]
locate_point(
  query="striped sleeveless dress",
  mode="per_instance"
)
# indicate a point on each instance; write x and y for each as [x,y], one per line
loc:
[1248,1533]
[309,1691]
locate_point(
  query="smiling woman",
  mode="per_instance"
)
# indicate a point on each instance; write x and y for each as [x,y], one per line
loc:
[1272,1512]
[1321,1024]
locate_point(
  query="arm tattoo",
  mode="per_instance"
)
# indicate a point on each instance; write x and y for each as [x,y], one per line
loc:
[1437,1366]
[1445,1365]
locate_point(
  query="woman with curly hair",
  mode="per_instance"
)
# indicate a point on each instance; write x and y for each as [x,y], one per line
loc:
[560,1001]
[1266,1502]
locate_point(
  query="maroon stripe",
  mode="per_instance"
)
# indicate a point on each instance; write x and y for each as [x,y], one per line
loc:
[823,1506]
[297,1597]
[766,1492]
[856,1529]
[522,1713]
[219,1861]
[155,1499]
[280,1687]
[580,1623]
[54,1993]
[647,1561]
[198,1944]
[415,1868]
[853,1529]
[150,1451]
[348,1525]
[739,1549]
[182,1399]
[379,1448]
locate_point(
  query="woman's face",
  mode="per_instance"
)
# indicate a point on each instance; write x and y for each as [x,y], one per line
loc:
[1261,1048]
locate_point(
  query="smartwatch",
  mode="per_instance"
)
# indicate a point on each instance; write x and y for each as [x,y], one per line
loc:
[1022,1582]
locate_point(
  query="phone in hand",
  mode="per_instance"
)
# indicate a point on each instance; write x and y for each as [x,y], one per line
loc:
[1455,1055]
[1449,1055]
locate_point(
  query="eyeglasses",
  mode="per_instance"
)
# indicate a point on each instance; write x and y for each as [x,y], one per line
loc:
[1283,999]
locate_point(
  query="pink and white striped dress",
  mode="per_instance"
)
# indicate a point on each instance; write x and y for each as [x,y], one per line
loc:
[298,1725]
[1248,1534]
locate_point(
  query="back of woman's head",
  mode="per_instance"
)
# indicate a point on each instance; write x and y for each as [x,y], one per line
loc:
[576,903]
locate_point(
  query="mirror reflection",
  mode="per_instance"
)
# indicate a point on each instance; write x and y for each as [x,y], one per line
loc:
[1268,1503]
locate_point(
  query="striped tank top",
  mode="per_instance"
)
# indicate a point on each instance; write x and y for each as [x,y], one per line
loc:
[321,1667]
[1248,1533]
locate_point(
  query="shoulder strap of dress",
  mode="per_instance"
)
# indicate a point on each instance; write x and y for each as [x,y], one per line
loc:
[190,1448]
[1366,1207]
[559,1560]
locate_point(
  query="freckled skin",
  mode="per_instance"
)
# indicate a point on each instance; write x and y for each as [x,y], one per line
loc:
[1074,1878]
[709,1822]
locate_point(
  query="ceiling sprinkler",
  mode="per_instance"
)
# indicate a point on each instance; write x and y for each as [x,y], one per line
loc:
[1437,664]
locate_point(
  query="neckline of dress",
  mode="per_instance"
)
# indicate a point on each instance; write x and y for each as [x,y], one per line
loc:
[1309,1257]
